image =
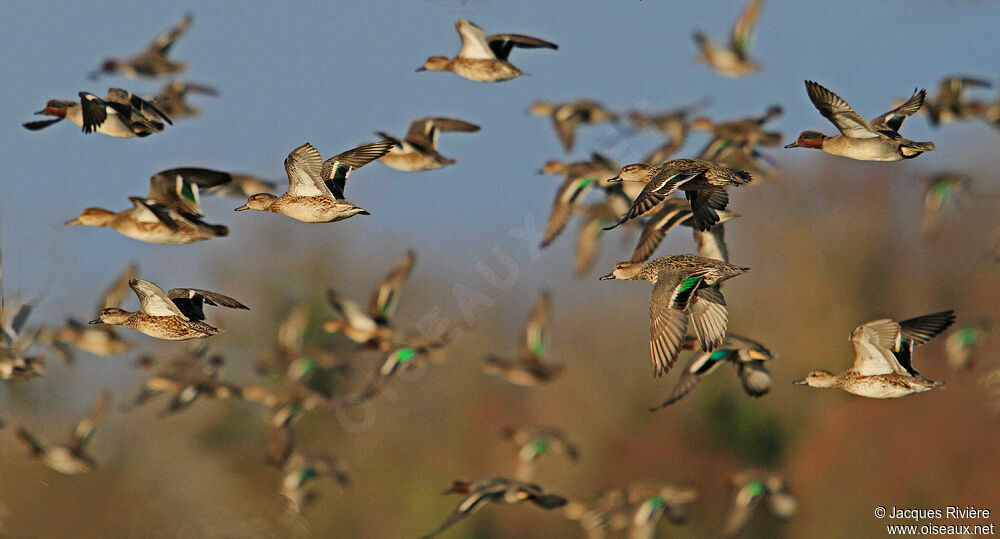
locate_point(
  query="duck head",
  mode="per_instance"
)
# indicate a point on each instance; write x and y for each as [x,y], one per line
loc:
[808,139]
[259,202]
[435,63]
[56,107]
[93,217]
[817,379]
[636,172]
[624,270]
[111,315]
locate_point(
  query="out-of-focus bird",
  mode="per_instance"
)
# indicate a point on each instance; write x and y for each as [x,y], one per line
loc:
[15,341]
[152,61]
[534,442]
[120,114]
[595,218]
[407,352]
[753,487]
[734,143]
[653,502]
[734,59]
[962,344]
[418,150]
[101,340]
[746,355]
[685,287]
[496,490]
[371,328]
[674,212]
[864,140]
[883,358]
[301,470]
[484,58]
[172,98]
[950,104]
[673,124]
[71,457]
[942,194]
[177,315]
[185,378]
[316,188]
[169,214]
[530,368]
[567,117]
[611,511]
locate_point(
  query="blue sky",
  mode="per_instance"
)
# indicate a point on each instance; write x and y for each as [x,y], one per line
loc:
[331,74]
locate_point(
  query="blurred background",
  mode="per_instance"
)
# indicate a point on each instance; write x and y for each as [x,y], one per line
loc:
[832,243]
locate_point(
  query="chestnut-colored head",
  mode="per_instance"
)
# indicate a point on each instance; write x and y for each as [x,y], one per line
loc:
[624,270]
[809,139]
[112,315]
[817,379]
[93,217]
[435,63]
[259,202]
[459,487]
[56,107]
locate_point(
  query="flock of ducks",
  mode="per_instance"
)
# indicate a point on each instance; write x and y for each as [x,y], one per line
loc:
[686,298]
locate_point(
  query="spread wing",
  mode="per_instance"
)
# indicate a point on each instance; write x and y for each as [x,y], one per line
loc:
[191,301]
[874,343]
[536,329]
[85,428]
[384,298]
[94,111]
[303,167]
[668,315]
[709,316]
[835,109]
[337,168]
[424,132]
[673,212]
[659,188]
[502,44]
[179,188]
[893,120]
[132,102]
[569,193]
[696,369]
[116,292]
[161,45]
[474,45]
[152,300]
[742,32]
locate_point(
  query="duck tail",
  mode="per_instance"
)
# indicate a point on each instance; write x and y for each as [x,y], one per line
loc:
[219,230]
[913,149]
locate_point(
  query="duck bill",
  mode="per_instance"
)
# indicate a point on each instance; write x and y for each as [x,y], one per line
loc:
[39,113]
[98,321]
[607,277]
[243,207]
[73,222]
[421,68]
[793,145]
[801,382]
[616,179]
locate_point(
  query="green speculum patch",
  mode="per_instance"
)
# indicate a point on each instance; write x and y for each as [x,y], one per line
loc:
[405,354]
